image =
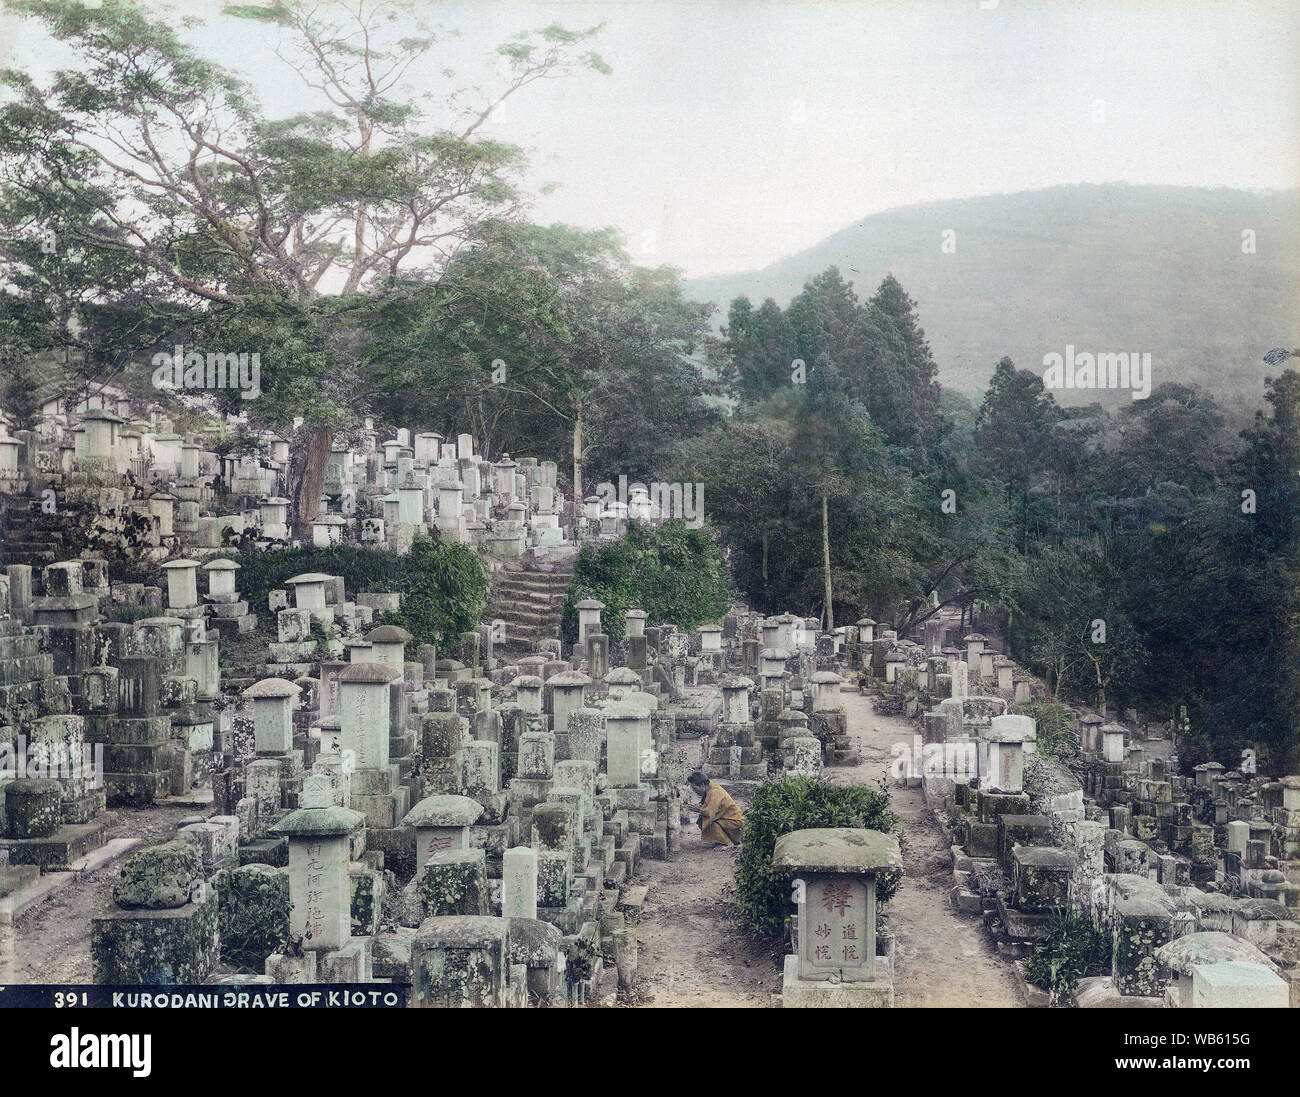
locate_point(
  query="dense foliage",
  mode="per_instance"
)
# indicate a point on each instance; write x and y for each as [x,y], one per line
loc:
[1053,722]
[1072,949]
[253,915]
[675,573]
[373,252]
[173,208]
[1145,557]
[800,803]
[443,586]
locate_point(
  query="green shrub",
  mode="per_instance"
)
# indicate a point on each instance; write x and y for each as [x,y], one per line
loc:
[800,803]
[252,915]
[129,615]
[443,586]
[1072,949]
[1053,721]
[675,573]
[321,636]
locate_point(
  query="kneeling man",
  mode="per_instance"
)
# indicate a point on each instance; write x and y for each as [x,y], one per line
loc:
[721,820]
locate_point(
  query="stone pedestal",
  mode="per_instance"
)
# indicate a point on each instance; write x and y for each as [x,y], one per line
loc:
[157,924]
[272,700]
[441,823]
[833,873]
[460,962]
[320,890]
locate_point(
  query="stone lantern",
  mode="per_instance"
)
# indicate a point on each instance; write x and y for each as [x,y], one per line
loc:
[272,700]
[834,874]
[388,647]
[588,617]
[308,591]
[441,823]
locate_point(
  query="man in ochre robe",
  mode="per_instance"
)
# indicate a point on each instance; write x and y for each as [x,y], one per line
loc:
[721,820]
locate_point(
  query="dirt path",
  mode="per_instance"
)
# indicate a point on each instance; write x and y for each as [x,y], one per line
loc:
[692,949]
[693,952]
[52,940]
[942,958]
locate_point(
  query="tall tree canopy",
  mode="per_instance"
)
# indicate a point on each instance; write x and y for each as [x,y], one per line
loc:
[545,340]
[152,156]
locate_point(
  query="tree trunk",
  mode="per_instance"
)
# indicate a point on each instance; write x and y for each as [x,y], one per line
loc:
[826,564]
[307,499]
[577,457]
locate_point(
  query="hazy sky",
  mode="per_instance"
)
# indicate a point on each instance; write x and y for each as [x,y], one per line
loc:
[733,132]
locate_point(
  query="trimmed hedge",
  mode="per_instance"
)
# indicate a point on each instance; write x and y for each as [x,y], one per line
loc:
[444,587]
[675,573]
[800,803]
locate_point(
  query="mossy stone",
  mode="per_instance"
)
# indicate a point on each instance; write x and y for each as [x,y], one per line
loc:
[454,882]
[160,877]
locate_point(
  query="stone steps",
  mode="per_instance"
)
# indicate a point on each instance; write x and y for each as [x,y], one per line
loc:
[524,615]
[530,604]
[540,603]
[29,536]
[539,593]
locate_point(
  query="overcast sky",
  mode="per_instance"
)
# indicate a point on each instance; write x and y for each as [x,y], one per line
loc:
[732,133]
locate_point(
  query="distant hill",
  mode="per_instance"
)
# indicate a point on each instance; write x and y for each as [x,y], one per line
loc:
[1105,267]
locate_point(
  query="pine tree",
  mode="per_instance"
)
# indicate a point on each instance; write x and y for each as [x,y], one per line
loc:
[914,410]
